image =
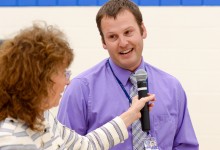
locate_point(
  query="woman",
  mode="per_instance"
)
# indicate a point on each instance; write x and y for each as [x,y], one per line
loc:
[33,75]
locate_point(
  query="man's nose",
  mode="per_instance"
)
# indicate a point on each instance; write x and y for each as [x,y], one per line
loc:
[123,41]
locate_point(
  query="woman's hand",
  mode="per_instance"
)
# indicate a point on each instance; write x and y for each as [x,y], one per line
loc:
[133,113]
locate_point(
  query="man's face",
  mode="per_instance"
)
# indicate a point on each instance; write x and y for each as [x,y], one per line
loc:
[123,39]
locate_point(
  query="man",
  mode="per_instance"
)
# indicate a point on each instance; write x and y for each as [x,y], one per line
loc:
[93,93]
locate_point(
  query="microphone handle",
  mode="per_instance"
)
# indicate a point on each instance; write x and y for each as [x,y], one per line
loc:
[145,118]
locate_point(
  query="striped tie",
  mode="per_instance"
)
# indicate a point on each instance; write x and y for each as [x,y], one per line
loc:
[138,134]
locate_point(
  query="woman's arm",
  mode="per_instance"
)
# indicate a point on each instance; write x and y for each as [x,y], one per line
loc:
[106,136]
[103,138]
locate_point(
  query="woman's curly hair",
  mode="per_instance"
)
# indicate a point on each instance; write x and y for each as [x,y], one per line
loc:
[26,64]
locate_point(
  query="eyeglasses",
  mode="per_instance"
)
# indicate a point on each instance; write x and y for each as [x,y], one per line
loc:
[68,74]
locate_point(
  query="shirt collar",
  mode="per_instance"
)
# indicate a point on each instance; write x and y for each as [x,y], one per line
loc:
[123,74]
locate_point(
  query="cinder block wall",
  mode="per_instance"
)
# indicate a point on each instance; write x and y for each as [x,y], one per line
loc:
[101,2]
[183,41]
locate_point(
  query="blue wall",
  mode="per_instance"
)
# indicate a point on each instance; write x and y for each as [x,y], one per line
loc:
[100,2]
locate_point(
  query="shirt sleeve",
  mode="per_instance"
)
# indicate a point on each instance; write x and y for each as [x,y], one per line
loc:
[13,136]
[76,95]
[185,138]
[103,138]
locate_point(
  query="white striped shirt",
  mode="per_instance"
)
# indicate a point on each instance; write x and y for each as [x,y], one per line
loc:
[15,135]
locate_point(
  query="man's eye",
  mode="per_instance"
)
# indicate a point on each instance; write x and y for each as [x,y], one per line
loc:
[128,33]
[112,37]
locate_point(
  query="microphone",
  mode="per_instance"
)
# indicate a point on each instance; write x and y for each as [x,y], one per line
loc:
[141,77]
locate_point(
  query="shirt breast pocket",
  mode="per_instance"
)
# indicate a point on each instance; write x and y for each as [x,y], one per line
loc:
[164,128]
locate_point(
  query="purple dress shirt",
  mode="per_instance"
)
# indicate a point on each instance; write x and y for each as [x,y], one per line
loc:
[94,97]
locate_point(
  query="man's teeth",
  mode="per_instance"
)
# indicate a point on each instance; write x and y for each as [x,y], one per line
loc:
[127,51]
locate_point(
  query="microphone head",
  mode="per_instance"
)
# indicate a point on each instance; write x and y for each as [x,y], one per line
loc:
[141,75]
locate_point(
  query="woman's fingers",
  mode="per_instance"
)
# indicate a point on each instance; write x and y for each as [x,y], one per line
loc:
[139,104]
[151,105]
[150,99]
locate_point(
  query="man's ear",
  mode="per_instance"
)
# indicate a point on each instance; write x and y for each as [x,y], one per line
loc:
[103,44]
[144,33]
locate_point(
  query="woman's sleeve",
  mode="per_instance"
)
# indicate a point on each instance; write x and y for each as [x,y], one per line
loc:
[103,138]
